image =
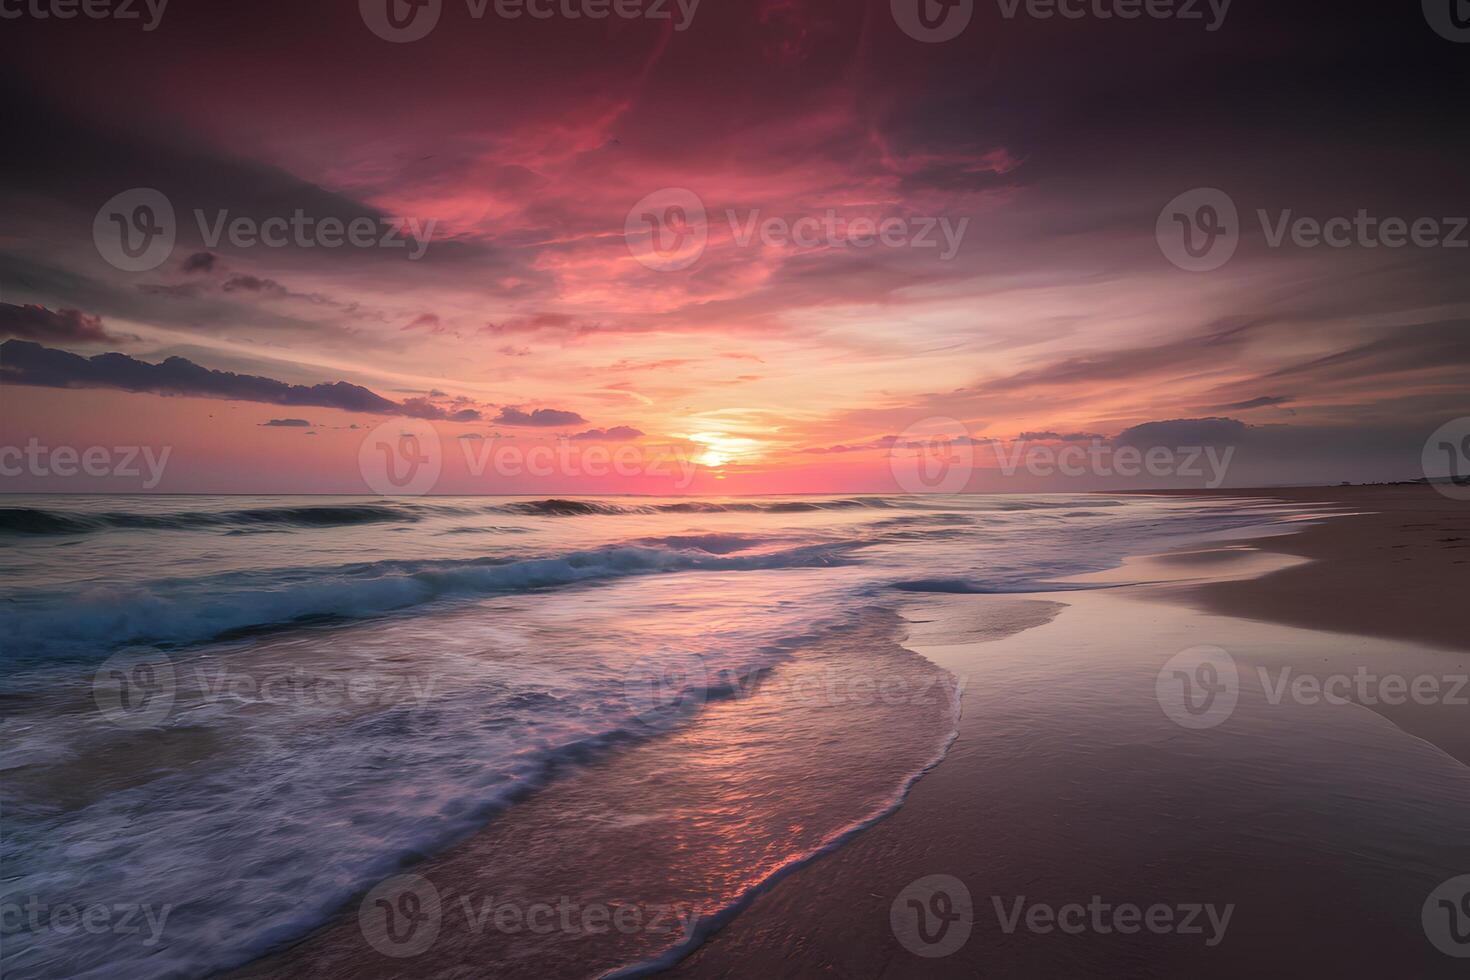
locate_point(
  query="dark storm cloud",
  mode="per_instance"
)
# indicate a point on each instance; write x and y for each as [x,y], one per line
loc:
[26,363]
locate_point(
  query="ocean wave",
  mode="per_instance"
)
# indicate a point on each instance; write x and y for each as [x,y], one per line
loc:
[30,520]
[567,508]
[254,914]
[707,507]
[714,544]
[38,521]
[488,529]
[556,507]
[174,613]
[790,506]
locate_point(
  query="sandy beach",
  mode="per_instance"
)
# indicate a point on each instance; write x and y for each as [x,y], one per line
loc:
[1305,857]
[1388,568]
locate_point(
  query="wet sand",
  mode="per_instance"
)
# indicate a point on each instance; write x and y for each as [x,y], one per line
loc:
[1396,566]
[1322,826]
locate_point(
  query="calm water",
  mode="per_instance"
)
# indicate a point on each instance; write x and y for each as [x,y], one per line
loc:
[238,714]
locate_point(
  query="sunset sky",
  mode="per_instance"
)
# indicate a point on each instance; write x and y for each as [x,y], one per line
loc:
[1050,147]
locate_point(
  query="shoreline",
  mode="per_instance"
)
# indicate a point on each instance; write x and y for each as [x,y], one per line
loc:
[1134,807]
[1395,553]
[599,833]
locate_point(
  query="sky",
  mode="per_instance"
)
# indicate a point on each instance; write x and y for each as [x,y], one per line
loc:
[768,246]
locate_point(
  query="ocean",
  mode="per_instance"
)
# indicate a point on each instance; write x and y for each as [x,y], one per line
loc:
[237,715]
